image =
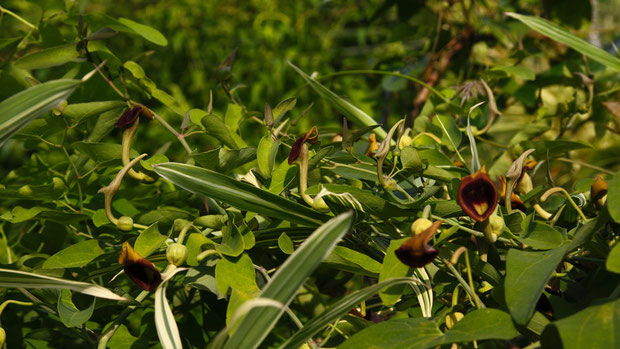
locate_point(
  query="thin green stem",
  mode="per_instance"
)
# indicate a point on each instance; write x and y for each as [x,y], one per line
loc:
[567,195]
[469,230]
[470,279]
[17,17]
[463,283]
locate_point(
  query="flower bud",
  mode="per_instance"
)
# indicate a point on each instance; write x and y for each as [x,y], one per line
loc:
[213,221]
[179,223]
[525,184]
[2,337]
[420,225]
[125,223]
[493,228]
[389,183]
[58,185]
[24,190]
[404,141]
[176,254]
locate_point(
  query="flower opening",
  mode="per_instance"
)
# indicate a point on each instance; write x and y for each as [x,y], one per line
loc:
[478,195]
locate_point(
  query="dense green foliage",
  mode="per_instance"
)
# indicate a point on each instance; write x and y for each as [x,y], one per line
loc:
[384,174]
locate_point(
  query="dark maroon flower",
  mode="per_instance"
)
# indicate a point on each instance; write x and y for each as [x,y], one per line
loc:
[130,116]
[311,137]
[478,195]
[139,270]
[416,252]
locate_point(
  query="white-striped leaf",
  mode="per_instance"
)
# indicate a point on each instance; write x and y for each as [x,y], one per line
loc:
[15,278]
[287,281]
[167,329]
[21,108]
[238,194]
[556,33]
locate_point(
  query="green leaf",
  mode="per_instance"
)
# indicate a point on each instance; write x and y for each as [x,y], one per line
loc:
[21,108]
[223,160]
[218,129]
[287,281]
[541,236]
[358,258]
[69,314]
[15,278]
[286,244]
[263,156]
[55,56]
[411,160]
[595,327]
[149,241]
[79,112]
[349,110]
[233,116]
[235,272]
[613,198]
[238,194]
[420,333]
[522,73]
[232,241]
[556,33]
[452,136]
[613,260]
[338,309]
[527,273]
[393,268]
[149,33]
[102,152]
[282,108]
[195,244]
[74,256]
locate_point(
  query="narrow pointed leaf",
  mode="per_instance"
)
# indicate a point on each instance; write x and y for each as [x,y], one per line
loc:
[338,309]
[238,194]
[287,281]
[167,329]
[556,33]
[349,110]
[15,278]
[18,110]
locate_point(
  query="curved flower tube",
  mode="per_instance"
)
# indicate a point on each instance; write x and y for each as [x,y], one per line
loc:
[477,195]
[139,270]
[299,156]
[416,252]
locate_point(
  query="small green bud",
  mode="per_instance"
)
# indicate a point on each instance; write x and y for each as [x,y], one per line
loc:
[213,221]
[2,337]
[24,190]
[493,228]
[179,223]
[176,254]
[125,223]
[420,225]
[525,185]
[389,184]
[58,184]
